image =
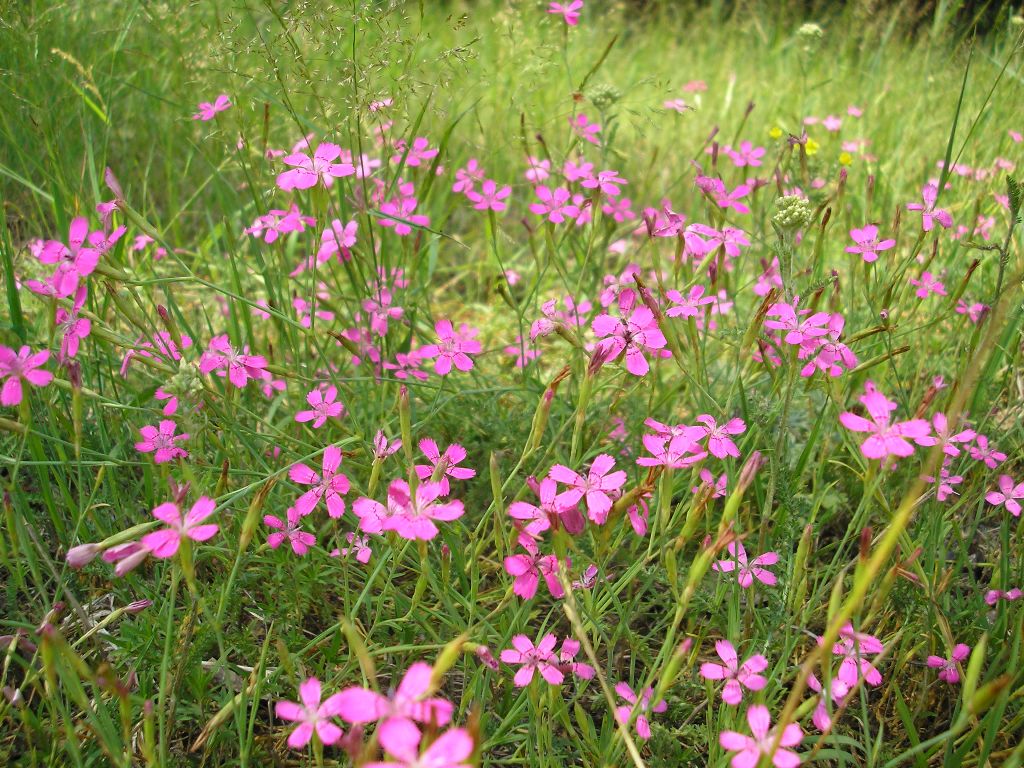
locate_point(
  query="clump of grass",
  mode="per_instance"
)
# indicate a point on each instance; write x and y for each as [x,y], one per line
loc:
[487,385]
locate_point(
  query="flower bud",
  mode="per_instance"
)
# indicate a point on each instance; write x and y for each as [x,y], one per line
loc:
[80,556]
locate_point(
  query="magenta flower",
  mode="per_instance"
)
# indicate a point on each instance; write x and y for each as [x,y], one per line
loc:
[401,739]
[979,452]
[358,545]
[161,442]
[674,453]
[719,442]
[633,336]
[323,406]
[1007,495]
[567,659]
[927,284]
[944,437]
[727,200]
[411,700]
[747,155]
[453,348]
[855,647]
[165,542]
[308,171]
[554,204]
[311,715]
[289,530]
[887,438]
[277,222]
[828,353]
[737,676]
[466,178]
[338,238]
[570,11]
[867,244]
[929,194]
[527,569]
[443,465]
[689,305]
[74,261]
[238,367]
[490,196]
[539,517]
[606,181]
[798,327]
[23,365]
[417,154]
[949,670]
[750,749]
[597,487]
[747,571]
[382,447]
[533,659]
[624,711]
[73,329]
[992,597]
[400,215]
[585,129]
[410,516]
[208,110]
[331,486]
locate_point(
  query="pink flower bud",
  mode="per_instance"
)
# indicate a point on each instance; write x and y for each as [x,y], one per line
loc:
[80,556]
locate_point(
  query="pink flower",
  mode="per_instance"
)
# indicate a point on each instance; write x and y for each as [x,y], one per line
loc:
[358,544]
[798,327]
[466,178]
[926,284]
[992,597]
[750,749]
[689,305]
[338,239]
[747,571]
[570,11]
[207,110]
[533,659]
[311,716]
[887,438]
[323,405]
[737,676]
[161,442]
[585,129]
[829,354]
[929,194]
[538,171]
[949,667]
[606,181]
[719,442]
[855,647]
[75,260]
[838,691]
[410,516]
[554,204]
[18,366]
[73,329]
[529,568]
[331,486]
[1007,495]
[309,171]
[981,452]
[727,200]
[221,357]
[382,447]
[539,518]
[597,487]
[401,739]
[490,196]
[867,244]
[443,465]
[411,700]
[417,154]
[453,348]
[567,658]
[675,452]
[277,222]
[746,155]
[624,711]
[633,336]
[165,542]
[290,531]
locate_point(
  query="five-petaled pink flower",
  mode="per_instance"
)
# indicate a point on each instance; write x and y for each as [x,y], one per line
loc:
[452,348]
[239,367]
[719,442]
[949,667]
[321,168]
[330,486]
[750,749]
[981,451]
[887,438]
[1007,495]
[401,740]
[411,700]
[929,215]
[570,11]
[672,452]
[165,542]
[927,284]
[323,405]
[162,442]
[867,243]
[72,327]
[623,711]
[533,659]
[289,530]
[633,336]
[737,676]
[747,570]
[311,715]
[585,129]
[855,647]
[598,488]
[689,305]
[527,569]
[208,110]
[410,515]
[554,204]
[490,196]
[21,365]
[444,465]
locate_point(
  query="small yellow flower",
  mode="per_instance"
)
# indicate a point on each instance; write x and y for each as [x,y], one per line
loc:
[775,132]
[845,158]
[811,148]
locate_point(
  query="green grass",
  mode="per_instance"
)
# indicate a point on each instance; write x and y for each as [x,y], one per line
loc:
[192,679]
